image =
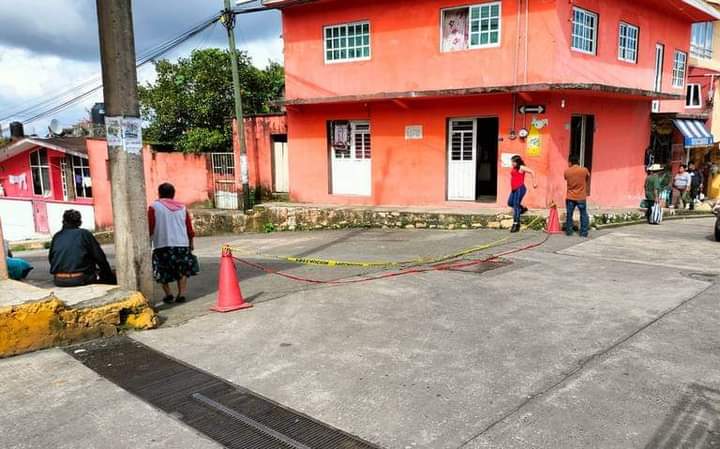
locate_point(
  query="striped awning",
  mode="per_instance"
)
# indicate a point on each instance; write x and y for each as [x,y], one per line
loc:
[695,133]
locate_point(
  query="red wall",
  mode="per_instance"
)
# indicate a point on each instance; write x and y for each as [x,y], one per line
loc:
[187,172]
[406,55]
[258,139]
[413,173]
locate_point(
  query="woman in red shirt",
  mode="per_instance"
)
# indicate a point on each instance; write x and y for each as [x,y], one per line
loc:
[518,189]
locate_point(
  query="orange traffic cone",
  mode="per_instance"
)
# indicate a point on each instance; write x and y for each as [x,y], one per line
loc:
[553,223]
[229,297]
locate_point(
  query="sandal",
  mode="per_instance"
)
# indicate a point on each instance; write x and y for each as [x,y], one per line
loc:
[169,299]
[180,299]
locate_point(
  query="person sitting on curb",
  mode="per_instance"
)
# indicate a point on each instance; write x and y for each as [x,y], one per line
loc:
[76,257]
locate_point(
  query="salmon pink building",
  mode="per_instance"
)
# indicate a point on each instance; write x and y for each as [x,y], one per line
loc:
[423,102]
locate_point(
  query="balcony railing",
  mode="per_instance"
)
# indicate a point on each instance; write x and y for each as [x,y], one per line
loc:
[701,52]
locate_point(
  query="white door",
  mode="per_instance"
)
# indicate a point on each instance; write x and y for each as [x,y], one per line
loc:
[462,166]
[280,161]
[352,162]
[659,62]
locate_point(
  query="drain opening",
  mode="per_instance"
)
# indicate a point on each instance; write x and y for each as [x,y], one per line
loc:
[233,416]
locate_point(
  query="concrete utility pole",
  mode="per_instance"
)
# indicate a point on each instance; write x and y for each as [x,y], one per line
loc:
[3,251]
[228,19]
[127,177]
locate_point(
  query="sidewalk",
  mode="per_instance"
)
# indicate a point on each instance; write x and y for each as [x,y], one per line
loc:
[33,318]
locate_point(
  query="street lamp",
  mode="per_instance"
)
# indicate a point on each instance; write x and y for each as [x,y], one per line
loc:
[228,19]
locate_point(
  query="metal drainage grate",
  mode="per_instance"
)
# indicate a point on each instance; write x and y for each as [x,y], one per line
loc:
[233,416]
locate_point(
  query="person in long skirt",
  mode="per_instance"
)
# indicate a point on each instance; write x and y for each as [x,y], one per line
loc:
[518,189]
[172,237]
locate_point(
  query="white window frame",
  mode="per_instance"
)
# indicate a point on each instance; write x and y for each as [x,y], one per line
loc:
[679,72]
[46,189]
[469,8]
[689,105]
[623,50]
[84,168]
[595,27]
[659,67]
[346,48]
[704,49]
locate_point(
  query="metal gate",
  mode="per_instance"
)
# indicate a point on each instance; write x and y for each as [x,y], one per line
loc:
[224,182]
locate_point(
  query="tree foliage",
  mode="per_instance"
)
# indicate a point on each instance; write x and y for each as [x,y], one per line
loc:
[191,102]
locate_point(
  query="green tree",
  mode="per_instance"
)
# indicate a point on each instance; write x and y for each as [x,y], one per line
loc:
[191,103]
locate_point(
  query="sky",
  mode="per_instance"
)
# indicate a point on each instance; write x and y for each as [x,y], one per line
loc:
[49,46]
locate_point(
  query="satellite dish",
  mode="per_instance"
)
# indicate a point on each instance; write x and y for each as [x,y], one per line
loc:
[55,128]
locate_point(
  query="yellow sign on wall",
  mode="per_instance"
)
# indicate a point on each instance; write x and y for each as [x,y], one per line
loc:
[534,138]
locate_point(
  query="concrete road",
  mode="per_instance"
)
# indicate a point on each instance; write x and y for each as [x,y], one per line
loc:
[610,343]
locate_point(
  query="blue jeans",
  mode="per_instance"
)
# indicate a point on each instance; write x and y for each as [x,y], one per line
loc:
[515,201]
[584,218]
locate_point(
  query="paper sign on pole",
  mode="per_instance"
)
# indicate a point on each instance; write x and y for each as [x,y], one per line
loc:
[244,169]
[125,132]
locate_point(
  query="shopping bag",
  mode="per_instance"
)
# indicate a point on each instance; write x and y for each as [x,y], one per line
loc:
[656,214]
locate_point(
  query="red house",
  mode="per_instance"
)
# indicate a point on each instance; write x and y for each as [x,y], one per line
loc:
[423,102]
[39,180]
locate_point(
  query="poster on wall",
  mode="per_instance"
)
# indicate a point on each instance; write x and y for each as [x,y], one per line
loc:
[506,159]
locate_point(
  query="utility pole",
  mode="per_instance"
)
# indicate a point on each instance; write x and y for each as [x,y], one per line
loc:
[3,252]
[124,139]
[228,19]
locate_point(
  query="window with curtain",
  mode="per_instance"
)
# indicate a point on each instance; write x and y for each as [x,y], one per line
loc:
[475,26]
[81,173]
[701,42]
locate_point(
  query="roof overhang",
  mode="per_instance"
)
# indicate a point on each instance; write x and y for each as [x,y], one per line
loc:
[701,11]
[526,88]
[27,143]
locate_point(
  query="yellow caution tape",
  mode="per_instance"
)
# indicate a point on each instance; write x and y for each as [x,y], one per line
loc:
[331,263]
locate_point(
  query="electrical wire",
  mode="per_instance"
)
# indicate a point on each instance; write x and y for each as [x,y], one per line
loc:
[44,109]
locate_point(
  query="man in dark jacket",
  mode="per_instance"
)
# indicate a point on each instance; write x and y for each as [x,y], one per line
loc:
[76,257]
[696,184]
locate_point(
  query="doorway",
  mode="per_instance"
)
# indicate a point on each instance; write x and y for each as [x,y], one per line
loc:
[472,159]
[280,165]
[659,63]
[582,139]
[351,158]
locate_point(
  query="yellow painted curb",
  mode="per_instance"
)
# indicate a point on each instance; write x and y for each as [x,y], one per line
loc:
[50,322]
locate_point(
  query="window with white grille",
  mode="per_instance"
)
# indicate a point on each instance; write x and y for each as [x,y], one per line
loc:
[628,42]
[679,68]
[584,31]
[361,140]
[475,26]
[461,140]
[347,42]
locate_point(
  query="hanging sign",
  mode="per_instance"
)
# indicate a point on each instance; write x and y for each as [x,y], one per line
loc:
[532,109]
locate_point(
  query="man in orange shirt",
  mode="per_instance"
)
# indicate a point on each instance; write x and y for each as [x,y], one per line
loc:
[577,178]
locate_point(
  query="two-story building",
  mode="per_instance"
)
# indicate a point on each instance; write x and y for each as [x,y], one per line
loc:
[423,102]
